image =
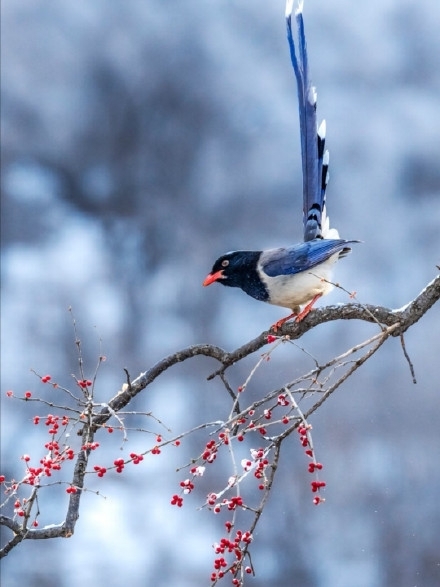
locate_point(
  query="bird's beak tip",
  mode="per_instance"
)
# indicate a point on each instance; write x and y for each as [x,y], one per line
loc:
[212,277]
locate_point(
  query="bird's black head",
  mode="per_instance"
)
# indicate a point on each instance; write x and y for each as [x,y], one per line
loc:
[239,269]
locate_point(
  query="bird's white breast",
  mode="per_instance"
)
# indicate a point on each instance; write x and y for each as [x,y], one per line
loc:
[292,291]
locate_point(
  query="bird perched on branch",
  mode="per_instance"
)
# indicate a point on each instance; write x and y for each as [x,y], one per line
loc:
[296,276]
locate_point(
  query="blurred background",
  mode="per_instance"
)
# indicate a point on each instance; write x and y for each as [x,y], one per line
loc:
[140,140]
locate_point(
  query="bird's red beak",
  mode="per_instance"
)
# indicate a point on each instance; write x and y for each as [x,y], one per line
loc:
[213,277]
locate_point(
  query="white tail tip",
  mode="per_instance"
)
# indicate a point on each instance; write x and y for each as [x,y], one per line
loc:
[289,8]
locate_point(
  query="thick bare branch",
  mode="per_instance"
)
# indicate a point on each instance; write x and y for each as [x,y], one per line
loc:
[391,322]
[406,317]
[128,392]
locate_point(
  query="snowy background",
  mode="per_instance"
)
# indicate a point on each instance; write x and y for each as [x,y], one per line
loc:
[140,141]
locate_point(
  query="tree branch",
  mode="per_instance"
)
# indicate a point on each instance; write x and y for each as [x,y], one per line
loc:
[391,323]
[405,317]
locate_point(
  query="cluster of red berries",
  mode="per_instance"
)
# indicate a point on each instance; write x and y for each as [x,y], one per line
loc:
[101,471]
[18,507]
[314,466]
[90,446]
[85,383]
[210,453]
[20,511]
[234,502]
[224,437]
[211,498]
[259,462]
[316,485]
[282,400]
[53,421]
[303,437]
[136,458]
[119,464]
[177,500]
[187,486]
[231,504]
[228,546]
[259,471]
[51,462]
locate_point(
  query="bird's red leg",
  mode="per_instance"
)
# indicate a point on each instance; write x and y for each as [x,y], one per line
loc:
[299,316]
[307,308]
[278,324]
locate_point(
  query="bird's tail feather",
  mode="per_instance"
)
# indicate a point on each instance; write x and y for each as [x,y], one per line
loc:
[315,158]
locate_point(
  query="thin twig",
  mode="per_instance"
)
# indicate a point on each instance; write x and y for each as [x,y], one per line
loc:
[411,366]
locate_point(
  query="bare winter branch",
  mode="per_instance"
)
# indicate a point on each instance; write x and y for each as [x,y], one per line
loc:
[405,317]
[317,385]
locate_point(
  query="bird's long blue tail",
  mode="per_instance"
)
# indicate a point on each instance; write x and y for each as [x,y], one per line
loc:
[315,158]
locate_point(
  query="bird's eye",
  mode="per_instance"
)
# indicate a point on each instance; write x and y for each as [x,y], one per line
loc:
[225,263]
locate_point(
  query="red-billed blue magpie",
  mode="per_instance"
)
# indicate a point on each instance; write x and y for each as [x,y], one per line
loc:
[296,276]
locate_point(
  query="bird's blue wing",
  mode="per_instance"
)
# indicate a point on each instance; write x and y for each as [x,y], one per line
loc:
[314,157]
[291,260]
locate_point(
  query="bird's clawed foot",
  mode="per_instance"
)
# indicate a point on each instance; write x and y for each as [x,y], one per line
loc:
[275,327]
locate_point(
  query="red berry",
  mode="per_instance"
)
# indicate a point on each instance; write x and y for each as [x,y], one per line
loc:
[177,500]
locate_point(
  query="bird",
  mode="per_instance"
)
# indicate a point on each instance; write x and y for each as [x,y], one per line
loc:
[294,276]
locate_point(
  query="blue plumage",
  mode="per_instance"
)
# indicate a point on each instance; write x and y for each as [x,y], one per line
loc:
[291,260]
[300,274]
[312,138]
